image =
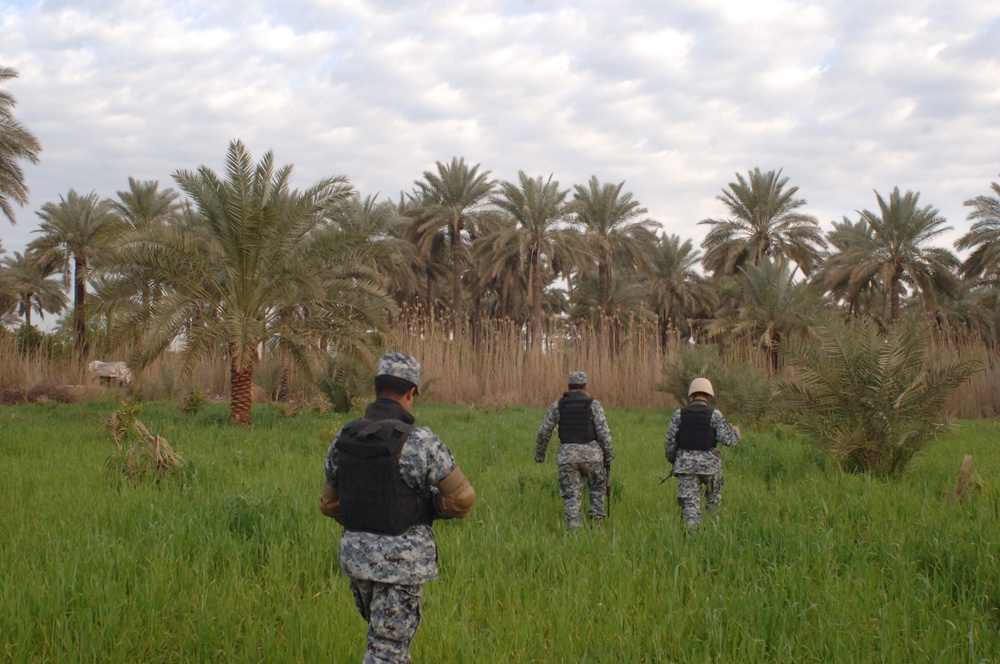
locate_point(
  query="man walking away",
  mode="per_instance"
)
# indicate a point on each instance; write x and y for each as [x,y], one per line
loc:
[386,481]
[584,448]
[691,446]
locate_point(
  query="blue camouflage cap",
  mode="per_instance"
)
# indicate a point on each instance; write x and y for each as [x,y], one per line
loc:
[400,365]
[577,377]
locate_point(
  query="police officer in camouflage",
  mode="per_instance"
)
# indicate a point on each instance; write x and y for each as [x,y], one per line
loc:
[386,481]
[691,446]
[584,448]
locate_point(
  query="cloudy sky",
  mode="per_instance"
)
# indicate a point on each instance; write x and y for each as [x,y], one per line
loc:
[673,98]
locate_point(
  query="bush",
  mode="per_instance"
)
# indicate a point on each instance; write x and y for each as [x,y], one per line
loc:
[140,457]
[194,401]
[740,389]
[342,382]
[872,399]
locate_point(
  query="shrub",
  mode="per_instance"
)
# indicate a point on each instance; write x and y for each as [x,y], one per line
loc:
[140,456]
[342,382]
[194,401]
[872,399]
[741,390]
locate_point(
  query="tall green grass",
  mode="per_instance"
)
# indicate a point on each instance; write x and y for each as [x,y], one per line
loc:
[232,561]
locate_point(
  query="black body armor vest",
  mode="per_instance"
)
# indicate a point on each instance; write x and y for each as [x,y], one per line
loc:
[695,431]
[576,425]
[373,496]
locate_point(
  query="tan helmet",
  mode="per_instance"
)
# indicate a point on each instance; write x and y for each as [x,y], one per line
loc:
[701,385]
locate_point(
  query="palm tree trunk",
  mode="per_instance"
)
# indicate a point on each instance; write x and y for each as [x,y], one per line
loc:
[456,277]
[284,385]
[894,300]
[26,308]
[241,391]
[535,283]
[602,287]
[80,307]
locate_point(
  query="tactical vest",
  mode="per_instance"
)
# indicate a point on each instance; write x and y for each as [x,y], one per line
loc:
[576,425]
[695,431]
[373,496]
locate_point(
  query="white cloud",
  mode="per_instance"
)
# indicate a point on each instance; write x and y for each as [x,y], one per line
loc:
[672,98]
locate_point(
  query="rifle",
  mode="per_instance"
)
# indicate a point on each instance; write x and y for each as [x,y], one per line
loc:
[607,490]
[669,475]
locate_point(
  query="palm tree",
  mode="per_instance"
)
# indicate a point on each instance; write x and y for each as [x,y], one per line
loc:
[984,237]
[450,201]
[764,222]
[891,247]
[675,291]
[536,206]
[72,232]
[874,398]
[16,143]
[31,288]
[768,305]
[256,251]
[143,204]
[381,224]
[613,231]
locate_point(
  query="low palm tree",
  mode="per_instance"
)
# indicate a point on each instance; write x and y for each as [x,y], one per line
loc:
[768,305]
[676,292]
[16,144]
[256,250]
[764,222]
[873,398]
[892,247]
[73,231]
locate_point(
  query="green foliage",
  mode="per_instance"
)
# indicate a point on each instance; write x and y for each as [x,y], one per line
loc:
[343,381]
[140,457]
[803,563]
[194,401]
[873,399]
[740,389]
[31,340]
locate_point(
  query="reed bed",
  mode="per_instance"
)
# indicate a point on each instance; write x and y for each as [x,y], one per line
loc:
[232,561]
[492,364]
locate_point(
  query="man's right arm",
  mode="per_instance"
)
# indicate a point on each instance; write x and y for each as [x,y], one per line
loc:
[549,423]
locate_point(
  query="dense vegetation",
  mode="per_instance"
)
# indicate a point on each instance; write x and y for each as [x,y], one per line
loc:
[230,560]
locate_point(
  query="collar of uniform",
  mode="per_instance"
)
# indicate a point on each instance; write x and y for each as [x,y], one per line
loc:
[384,408]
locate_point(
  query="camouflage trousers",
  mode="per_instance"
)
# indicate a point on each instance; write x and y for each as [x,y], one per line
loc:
[689,496]
[571,479]
[392,611]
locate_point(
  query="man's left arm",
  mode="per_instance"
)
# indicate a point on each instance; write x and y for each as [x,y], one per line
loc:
[724,434]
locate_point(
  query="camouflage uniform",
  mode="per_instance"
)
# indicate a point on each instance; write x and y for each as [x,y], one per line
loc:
[579,463]
[694,468]
[386,571]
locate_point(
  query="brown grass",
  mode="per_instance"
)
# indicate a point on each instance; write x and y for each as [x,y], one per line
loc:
[489,366]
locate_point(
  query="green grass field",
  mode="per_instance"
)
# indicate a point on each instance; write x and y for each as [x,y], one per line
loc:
[234,562]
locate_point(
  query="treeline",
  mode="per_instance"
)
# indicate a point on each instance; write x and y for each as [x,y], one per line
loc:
[241,263]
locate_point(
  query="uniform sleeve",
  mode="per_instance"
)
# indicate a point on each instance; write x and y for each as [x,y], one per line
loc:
[330,466]
[670,442]
[549,423]
[425,460]
[724,434]
[603,430]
